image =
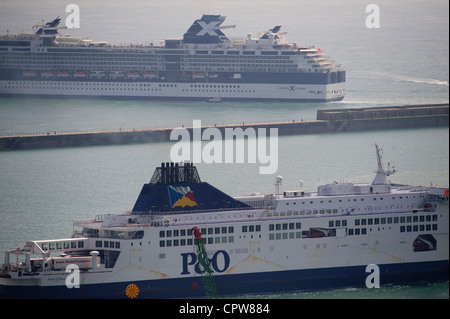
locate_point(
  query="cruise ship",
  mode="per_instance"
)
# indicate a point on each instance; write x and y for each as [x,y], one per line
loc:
[204,65]
[186,238]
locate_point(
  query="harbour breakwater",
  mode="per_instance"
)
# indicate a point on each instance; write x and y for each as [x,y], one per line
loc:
[327,121]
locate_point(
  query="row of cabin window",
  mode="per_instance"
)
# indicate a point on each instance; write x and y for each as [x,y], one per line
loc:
[190,241]
[395,220]
[204,231]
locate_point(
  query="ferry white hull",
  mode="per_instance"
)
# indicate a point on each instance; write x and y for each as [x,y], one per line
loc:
[199,91]
[180,226]
[257,262]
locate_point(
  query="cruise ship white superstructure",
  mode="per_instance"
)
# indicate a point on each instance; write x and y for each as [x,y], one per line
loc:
[204,64]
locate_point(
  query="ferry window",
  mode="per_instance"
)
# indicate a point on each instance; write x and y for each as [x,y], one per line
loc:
[298,225]
[217,230]
[357,222]
[428,227]
[389,220]
[271,236]
[271,227]
[176,232]
[251,228]
[428,218]
[58,245]
[44,246]
[357,231]
[402,229]
[338,223]
[258,227]
[344,222]
[415,219]
[231,239]
[291,225]
[285,235]
[73,245]
[138,235]
[415,228]
[408,219]
[402,219]
[383,220]
[176,242]
[169,243]
[168,233]
[203,231]
[162,243]
[434,218]
[80,244]
[117,244]
[350,232]
[224,230]
[190,241]
[182,242]
[51,246]
[98,243]
[363,221]
[66,245]
[363,231]
[105,244]
[230,229]
[408,228]
[278,226]
[370,221]
[395,220]
[331,223]
[285,226]
[244,229]
[435,226]
[377,221]
[182,232]
[422,218]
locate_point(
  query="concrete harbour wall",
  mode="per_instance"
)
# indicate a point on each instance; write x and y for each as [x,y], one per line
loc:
[328,121]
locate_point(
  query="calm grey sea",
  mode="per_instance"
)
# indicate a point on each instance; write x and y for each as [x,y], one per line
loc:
[405,61]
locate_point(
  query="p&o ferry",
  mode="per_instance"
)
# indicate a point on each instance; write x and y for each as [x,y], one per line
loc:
[204,64]
[186,238]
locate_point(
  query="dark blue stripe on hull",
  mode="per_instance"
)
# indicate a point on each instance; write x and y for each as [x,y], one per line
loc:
[252,283]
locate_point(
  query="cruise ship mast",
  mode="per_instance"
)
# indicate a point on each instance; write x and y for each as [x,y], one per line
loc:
[381,177]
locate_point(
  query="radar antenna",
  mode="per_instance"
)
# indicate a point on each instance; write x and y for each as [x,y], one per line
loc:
[380,178]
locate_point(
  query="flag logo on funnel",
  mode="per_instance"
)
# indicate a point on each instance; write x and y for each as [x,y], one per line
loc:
[181,197]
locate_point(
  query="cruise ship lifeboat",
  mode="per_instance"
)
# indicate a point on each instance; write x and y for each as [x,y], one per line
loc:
[150,75]
[29,74]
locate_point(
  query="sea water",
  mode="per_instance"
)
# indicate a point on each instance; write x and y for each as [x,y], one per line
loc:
[405,61]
